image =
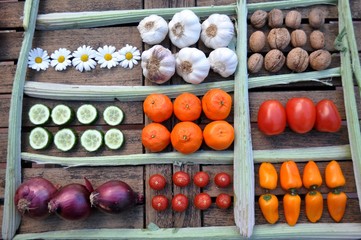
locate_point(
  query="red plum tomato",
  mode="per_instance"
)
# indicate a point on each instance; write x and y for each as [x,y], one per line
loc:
[301,114]
[328,118]
[271,117]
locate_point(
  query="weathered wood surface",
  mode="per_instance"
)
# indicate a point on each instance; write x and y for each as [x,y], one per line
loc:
[137,177]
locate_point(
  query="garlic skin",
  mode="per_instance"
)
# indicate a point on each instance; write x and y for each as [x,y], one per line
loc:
[184,29]
[217,31]
[192,65]
[153,29]
[158,64]
[223,61]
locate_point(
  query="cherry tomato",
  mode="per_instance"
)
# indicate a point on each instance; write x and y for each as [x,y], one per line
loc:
[223,201]
[160,202]
[271,117]
[202,201]
[201,179]
[222,179]
[157,182]
[179,202]
[181,179]
[328,118]
[301,114]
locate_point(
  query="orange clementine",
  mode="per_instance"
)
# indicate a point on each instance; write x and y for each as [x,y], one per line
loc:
[155,137]
[186,137]
[218,135]
[158,107]
[216,104]
[187,107]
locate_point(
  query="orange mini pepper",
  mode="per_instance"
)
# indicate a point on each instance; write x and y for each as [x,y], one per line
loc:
[290,177]
[268,204]
[314,205]
[267,176]
[291,208]
[333,175]
[311,177]
[336,204]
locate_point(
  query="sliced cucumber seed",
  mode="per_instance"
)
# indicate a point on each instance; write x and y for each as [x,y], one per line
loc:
[87,114]
[39,114]
[113,115]
[61,114]
[65,139]
[114,138]
[91,140]
[39,138]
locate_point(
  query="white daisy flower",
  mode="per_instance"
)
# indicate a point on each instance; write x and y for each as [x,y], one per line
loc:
[60,59]
[38,59]
[107,57]
[84,58]
[129,56]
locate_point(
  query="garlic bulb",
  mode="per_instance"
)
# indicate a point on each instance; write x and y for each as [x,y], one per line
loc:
[223,61]
[192,65]
[153,29]
[217,31]
[184,29]
[158,64]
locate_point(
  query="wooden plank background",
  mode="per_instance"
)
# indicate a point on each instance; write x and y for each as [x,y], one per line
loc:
[11,34]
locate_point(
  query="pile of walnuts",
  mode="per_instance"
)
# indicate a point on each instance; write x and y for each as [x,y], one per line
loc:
[280,37]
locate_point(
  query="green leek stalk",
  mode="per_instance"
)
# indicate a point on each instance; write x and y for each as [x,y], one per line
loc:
[11,217]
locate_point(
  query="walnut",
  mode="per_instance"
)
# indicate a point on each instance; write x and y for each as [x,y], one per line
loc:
[274,60]
[255,62]
[278,38]
[275,18]
[317,39]
[259,18]
[316,18]
[320,59]
[293,19]
[298,38]
[257,41]
[297,60]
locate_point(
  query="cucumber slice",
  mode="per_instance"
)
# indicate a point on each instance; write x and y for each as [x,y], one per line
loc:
[65,139]
[113,115]
[113,138]
[39,114]
[62,114]
[91,140]
[40,138]
[87,114]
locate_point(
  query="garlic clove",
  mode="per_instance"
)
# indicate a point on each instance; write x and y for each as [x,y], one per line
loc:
[153,29]
[158,64]
[223,61]
[217,31]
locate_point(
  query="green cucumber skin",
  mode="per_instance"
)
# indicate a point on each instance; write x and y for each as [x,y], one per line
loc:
[47,121]
[49,143]
[75,140]
[101,144]
[112,149]
[113,125]
[71,118]
[94,120]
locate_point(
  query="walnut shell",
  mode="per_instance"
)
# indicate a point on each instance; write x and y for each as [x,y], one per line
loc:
[293,19]
[278,38]
[297,60]
[275,18]
[298,38]
[274,60]
[316,18]
[257,41]
[259,18]
[317,39]
[255,63]
[320,59]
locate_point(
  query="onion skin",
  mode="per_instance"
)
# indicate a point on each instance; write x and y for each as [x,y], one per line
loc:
[32,197]
[114,197]
[71,202]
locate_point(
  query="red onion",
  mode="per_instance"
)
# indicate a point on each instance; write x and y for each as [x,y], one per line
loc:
[115,196]
[32,197]
[72,202]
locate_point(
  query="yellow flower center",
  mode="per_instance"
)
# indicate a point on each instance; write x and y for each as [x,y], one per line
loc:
[38,60]
[84,57]
[108,57]
[128,55]
[61,59]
